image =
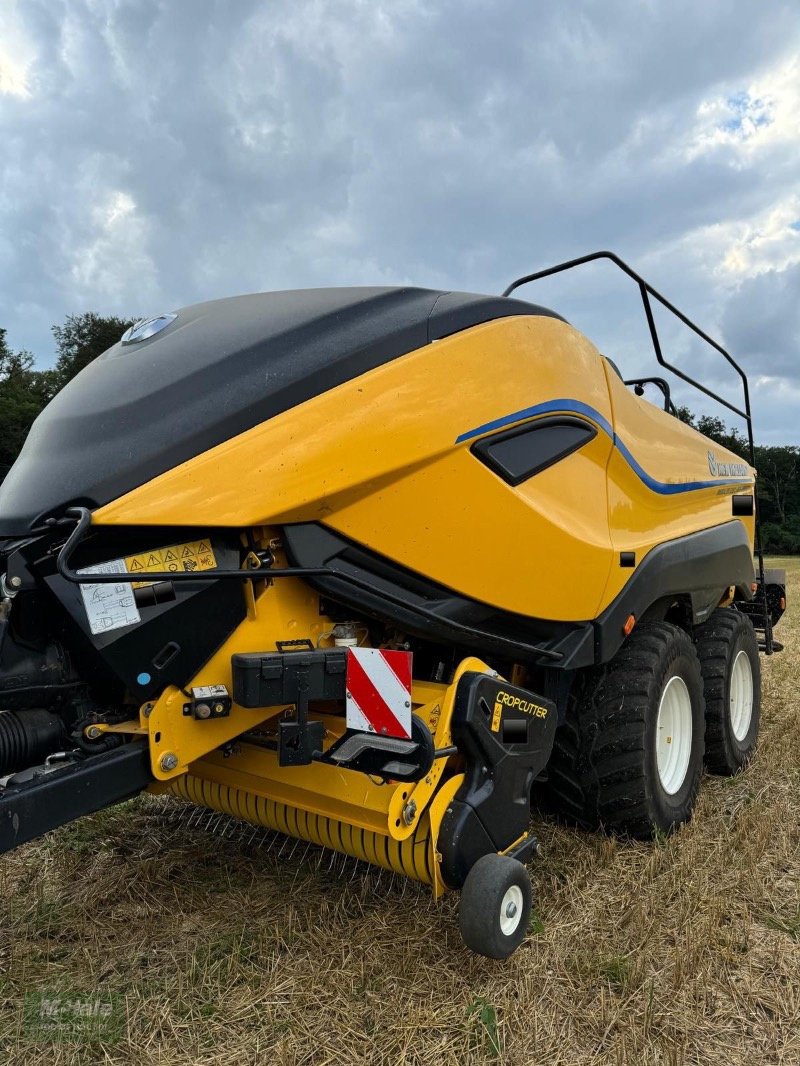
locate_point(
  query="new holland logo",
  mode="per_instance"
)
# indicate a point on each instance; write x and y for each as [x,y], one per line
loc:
[719,469]
[146,328]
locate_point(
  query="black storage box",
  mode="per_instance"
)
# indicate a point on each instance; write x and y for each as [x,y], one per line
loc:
[269,679]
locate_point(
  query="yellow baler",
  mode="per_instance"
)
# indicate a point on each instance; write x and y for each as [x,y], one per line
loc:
[365,566]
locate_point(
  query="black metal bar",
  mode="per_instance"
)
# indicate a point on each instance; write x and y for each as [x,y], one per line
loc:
[62,795]
[660,383]
[648,310]
[445,753]
[83,522]
[83,519]
[646,290]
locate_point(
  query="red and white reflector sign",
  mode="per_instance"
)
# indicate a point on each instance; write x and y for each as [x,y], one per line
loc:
[379,691]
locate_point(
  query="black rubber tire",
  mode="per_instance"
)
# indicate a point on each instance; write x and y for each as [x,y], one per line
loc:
[603,769]
[479,913]
[718,642]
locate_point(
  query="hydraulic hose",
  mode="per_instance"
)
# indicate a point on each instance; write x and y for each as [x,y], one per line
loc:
[27,737]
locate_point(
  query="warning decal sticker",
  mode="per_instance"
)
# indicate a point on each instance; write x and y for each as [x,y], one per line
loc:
[112,606]
[196,555]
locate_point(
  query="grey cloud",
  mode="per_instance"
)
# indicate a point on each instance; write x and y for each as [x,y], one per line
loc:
[762,322]
[302,143]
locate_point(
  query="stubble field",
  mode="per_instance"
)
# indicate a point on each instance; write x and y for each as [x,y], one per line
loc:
[215,943]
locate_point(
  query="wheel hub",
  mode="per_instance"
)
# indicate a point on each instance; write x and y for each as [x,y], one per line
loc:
[741,695]
[511,910]
[674,734]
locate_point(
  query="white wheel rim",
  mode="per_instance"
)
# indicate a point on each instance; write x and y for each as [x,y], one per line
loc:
[674,734]
[741,698]
[511,910]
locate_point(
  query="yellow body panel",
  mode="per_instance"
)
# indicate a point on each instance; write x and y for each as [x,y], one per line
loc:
[376,459]
[386,460]
[674,453]
[286,611]
[379,460]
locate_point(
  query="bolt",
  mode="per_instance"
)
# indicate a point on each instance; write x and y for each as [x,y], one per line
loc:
[168,761]
[15,582]
[202,710]
[511,910]
[93,732]
[147,710]
[409,812]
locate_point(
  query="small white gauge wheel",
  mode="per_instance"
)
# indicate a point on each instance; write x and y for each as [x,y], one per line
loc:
[495,906]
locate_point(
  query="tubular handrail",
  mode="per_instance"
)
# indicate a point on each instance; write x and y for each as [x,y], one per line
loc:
[647,291]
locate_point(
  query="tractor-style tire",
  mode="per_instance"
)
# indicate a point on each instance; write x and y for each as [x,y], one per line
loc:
[495,906]
[629,757]
[728,652]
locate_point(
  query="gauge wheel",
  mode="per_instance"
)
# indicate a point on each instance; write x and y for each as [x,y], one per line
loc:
[495,906]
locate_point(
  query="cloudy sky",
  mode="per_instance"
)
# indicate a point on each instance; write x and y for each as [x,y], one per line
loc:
[159,152]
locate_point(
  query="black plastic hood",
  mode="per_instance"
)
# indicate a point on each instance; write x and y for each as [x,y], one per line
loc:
[218,369]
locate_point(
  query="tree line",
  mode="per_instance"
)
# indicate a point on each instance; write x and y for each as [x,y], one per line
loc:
[24,391]
[778,482]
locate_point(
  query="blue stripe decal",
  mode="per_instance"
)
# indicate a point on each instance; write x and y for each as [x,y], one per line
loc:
[564,406]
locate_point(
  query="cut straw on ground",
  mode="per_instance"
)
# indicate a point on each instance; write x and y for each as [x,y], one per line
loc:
[219,944]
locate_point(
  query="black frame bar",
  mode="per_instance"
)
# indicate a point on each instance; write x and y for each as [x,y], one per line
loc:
[82,517]
[647,291]
[660,383]
[70,791]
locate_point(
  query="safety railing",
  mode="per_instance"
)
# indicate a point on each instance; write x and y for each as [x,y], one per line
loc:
[648,293]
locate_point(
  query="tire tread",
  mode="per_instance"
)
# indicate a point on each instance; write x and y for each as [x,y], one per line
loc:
[597,769]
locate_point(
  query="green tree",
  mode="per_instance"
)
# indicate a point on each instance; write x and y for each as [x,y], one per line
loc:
[23,393]
[24,390]
[715,429]
[779,482]
[82,338]
[778,468]
[726,437]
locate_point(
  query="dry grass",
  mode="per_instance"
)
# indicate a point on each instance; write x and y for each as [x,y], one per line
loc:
[222,950]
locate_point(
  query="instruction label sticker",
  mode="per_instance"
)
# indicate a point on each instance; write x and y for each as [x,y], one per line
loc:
[110,606]
[113,606]
[185,558]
